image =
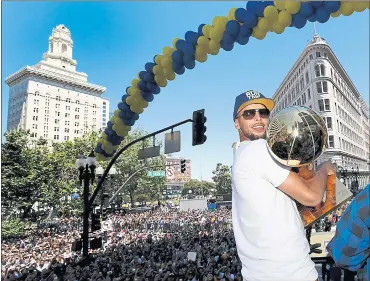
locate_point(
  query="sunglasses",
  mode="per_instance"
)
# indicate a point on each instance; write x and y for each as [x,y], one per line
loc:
[250,113]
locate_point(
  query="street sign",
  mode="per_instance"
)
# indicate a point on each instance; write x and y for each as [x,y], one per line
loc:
[156,173]
[172,142]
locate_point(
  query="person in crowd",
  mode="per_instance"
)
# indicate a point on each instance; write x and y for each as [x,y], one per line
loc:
[350,247]
[269,233]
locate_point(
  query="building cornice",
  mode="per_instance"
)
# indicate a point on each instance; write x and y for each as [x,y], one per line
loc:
[332,59]
[30,71]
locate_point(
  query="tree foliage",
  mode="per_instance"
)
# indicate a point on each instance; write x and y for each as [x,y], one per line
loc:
[222,179]
[198,187]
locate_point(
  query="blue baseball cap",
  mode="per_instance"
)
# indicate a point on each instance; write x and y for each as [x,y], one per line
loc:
[251,97]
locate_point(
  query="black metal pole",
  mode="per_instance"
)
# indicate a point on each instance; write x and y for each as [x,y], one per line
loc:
[85,233]
[119,152]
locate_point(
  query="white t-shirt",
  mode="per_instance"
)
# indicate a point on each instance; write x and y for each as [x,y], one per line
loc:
[269,233]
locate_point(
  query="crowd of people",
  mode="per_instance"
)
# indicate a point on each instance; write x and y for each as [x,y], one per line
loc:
[155,245]
[161,244]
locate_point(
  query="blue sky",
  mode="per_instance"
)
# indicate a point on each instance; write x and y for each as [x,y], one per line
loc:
[114,40]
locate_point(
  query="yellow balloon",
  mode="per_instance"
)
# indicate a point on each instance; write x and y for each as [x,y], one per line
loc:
[231,14]
[158,70]
[169,74]
[222,21]
[202,40]
[158,59]
[131,100]
[280,5]
[271,13]
[201,58]
[360,6]
[162,82]
[346,8]
[134,82]
[292,7]
[136,109]
[263,25]
[336,14]
[284,18]
[200,51]
[216,34]
[98,157]
[278,28]
[215,20]
[143,103]
[121,131]
[116,112]
[214,45]
[166,62]
[174,42]
[258,34]
[167,51]
[215,52]
[206,30]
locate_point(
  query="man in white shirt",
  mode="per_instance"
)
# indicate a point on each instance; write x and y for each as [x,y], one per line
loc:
[269,233]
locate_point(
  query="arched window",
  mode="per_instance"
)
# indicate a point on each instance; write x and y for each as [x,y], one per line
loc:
[320,70]
[64,48]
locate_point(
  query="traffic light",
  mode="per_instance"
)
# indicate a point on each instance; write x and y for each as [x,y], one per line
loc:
[104,214]
[199,127]
[95,222]
[183,166]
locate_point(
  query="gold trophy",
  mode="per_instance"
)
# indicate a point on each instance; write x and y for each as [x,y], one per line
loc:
[297,136]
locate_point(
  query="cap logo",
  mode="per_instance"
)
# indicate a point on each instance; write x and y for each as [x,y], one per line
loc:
[253,94]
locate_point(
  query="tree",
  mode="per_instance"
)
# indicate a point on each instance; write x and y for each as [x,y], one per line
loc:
[198,187]
[222,179]
[24,171]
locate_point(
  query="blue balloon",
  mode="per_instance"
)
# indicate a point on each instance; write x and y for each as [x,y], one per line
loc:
[190,64]
[127,89]
[123,106]
[227,47]
[245,31]
[142,85]
[109,155]
[331,6]
[200,31]
[147,96]
[154,88]
[142,74]
[149,77]
[250,20]
[122,114]
[228,38]
[188,58]
[192,37]
[188,49]
[124,97]
[178,57]
[180,71]
[313,18]
[242,40]
[109,124]
[299,21]
[108,131]
[98,148]
[240,15]
[233,27]
[256,7]
[317,4]
[115,139]
[322,15]
[129,122]
[149,66]
[135,116]
[180,44]
[307,10]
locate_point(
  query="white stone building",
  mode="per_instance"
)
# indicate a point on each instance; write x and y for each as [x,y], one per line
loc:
[318,80]
[52,99]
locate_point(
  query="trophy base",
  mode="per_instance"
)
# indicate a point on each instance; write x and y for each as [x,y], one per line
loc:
[311,215]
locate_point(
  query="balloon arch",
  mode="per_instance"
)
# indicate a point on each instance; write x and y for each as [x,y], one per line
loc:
[256,20]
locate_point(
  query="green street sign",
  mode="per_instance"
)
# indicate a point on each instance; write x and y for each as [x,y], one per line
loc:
[156,173]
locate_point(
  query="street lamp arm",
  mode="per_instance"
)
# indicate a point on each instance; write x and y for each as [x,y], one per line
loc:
[129,178]
[119,152]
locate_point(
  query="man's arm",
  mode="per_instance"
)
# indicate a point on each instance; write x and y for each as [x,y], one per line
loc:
[350,247]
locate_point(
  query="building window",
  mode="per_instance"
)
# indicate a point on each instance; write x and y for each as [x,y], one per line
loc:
[77,102]
[309,94]
[68,100]
[77,116]
[331,141]
[319,70]
[34,126]
[68,107]
[304,98]
[56,129]
[322,87]
[57,121]
[104,103]
[66,130]
[35,118]
[57,105]
[324,105]
[94,112]
[311,57]
[77,109]
[94,105]
[66,123]
[56,137]
[328,122]
[58,98]
[318,54]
